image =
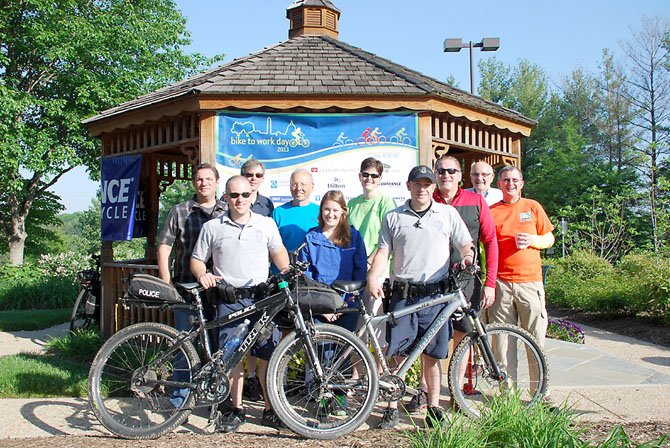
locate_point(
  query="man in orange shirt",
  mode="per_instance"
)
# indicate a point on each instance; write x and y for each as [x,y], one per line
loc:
[522,229]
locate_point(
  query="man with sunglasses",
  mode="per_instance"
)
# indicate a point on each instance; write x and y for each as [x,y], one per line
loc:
[481,175]
[254,171]
[419,235]
[241,244]
[366,213]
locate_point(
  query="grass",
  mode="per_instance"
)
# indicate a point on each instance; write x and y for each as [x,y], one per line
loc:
[30,320]
[61,372]
[509,423]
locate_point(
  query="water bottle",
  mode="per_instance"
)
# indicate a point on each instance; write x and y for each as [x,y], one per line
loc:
[234,340]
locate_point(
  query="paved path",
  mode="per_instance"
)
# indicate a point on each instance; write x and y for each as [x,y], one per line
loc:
[610,378]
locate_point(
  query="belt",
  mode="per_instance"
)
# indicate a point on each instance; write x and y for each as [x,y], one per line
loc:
[409,290]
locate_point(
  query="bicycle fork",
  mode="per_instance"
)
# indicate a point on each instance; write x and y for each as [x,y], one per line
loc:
[485,344]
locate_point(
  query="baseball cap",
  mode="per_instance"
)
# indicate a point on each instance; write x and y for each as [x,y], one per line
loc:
[421,172]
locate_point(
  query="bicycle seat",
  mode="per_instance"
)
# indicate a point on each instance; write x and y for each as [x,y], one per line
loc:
[347,285]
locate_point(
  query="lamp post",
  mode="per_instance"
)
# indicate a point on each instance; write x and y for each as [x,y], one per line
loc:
[487,44]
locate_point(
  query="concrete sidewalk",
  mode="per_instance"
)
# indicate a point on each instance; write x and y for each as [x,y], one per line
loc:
[611,378]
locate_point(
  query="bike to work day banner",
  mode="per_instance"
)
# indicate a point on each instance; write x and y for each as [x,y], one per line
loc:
[330,146]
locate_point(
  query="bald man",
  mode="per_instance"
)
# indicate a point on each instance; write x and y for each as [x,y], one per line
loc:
[299,215]
[481,175]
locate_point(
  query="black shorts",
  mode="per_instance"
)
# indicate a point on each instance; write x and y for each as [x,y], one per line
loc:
[472,290]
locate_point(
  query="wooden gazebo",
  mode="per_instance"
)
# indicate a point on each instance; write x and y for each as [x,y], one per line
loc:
[313,71]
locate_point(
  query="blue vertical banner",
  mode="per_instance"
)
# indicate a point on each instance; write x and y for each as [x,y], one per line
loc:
[120,184]
[330,146]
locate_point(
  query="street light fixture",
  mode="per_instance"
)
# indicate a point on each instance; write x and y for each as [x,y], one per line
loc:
[487,44]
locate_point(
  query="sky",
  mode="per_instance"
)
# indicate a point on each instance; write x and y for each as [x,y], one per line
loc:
[557,36]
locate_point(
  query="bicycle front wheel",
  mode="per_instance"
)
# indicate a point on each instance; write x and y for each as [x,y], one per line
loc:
[79,319]
[135,394]
[521,361]
[330,408]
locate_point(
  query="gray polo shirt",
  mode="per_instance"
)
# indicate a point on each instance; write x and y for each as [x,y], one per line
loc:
[420,245]
[241,254]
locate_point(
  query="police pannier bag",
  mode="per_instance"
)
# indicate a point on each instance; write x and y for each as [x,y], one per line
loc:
[317,297]
[149,291]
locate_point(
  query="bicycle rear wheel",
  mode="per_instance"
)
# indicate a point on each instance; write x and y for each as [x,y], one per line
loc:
[520,360]
[330,409]
[130,393]
[79,319]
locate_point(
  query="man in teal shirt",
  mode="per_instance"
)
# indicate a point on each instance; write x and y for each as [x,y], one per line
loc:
[297,216]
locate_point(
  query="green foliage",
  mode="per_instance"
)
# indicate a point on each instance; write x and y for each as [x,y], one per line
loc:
[60,65]
[31,320]
[510,423]
[637,284]
[176,193]
[25,376]
[80,345]
[48,283]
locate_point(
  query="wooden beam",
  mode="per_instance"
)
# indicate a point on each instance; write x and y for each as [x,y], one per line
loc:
[207,137]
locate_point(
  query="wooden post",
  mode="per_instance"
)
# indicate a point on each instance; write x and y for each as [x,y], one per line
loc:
[207,137]
[425,140]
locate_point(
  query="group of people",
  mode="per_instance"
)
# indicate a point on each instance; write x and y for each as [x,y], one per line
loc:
[368,238]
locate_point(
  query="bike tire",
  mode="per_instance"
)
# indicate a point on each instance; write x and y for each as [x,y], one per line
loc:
[330,410]
[79,319]
[471,381]
[118,394]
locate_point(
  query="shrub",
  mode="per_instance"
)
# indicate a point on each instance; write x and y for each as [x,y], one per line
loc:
[32,286]
[80,345]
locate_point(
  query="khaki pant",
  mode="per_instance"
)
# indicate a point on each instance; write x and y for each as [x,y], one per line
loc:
[521,304]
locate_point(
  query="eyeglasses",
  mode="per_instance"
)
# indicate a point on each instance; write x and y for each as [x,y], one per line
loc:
[372,175]
[258,175]
[511,181]
[480,174]
[245,195]
[451,171]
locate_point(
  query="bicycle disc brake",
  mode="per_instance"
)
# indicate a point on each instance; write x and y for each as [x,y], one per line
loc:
[391,388]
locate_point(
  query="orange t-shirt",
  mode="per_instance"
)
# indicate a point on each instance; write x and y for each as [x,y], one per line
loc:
[525,216]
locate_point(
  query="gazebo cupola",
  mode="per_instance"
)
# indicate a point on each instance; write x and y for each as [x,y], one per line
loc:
[318,17]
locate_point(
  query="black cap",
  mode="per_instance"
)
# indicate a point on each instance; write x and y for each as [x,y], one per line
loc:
[421,172]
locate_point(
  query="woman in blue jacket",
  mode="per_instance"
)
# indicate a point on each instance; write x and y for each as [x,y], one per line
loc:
[335,251]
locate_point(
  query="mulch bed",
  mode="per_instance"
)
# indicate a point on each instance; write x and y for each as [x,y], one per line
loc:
[644,328]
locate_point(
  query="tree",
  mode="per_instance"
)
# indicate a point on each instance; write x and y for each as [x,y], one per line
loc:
[62,61]
[649,92]
[523,88]
[616,114]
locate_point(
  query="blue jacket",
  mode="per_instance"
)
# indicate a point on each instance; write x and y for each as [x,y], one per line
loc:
[329,262]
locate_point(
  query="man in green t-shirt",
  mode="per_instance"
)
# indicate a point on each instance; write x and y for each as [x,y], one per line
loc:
[366,213]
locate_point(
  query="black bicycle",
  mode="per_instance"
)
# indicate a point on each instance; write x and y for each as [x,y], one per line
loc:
[148,377]
[86,310]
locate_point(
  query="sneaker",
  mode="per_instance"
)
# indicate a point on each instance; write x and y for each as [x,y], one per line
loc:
[270,419]
[418,402]
[338,407]
[232,420]
[178,396]
[389,419]
[252,390]
[435,416]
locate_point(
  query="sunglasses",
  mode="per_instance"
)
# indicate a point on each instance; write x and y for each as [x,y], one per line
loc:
[372,175]
[258,175]
[451,171]
[245,195]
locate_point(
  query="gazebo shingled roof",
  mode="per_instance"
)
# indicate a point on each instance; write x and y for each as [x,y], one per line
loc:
[313,65]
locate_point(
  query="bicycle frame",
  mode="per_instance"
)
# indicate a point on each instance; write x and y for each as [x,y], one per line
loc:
[269,306]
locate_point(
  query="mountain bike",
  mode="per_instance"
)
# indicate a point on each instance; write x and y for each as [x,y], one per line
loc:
[86,308]
[490,360]
[147,378]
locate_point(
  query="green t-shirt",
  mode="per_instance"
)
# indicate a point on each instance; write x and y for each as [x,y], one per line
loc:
[367,216]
